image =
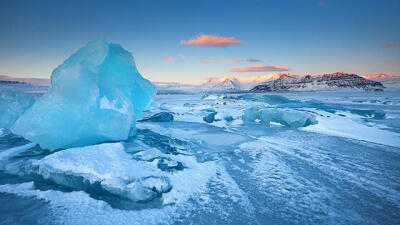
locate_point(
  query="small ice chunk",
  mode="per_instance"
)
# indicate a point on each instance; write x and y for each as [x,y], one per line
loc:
[189,105]
[228,118]
[12,105]
[210,117]
[160,117]
[166,164]
[95,96]
[141,190]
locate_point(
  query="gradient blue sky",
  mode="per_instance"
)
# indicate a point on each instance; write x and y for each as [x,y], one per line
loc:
[309,36]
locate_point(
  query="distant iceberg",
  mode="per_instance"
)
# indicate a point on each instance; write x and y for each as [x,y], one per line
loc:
[287,118]
[95,96]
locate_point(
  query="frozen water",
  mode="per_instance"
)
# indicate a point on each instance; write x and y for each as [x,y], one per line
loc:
[12,105]
[95,96]
[342,170]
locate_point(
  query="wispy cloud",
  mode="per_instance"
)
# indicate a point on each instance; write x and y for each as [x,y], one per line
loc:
[169,59]
[234,60]
[261,68]
[253,60]
[207,61]
[390,45]
[242,60]
[209,40]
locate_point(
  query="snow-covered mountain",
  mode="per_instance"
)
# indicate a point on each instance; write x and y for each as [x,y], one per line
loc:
[230,84]
[250,82]
[388,81]
[240,83]
[324,82]
[227,84]
[378,76]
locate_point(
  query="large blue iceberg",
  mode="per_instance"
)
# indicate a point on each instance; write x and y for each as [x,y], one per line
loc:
[95,96]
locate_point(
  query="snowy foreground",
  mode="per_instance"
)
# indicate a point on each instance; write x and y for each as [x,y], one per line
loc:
[297,158]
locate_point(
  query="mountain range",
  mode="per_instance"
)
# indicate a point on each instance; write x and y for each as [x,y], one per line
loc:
[326,82]
[272,82]
[388,81]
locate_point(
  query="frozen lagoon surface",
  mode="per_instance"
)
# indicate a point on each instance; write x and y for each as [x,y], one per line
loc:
[340,167]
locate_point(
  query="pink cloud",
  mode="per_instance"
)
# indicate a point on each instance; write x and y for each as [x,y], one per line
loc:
[169,59]
[235,60]
[242,60]
[390,45]
[261,68]
[207,61]
[209,40]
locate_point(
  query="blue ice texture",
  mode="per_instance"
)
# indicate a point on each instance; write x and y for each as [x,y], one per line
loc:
[160,117]
[95,96]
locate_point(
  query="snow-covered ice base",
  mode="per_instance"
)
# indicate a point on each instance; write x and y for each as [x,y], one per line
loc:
[341,168]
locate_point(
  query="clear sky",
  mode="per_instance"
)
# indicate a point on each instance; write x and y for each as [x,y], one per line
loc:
[303,36]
